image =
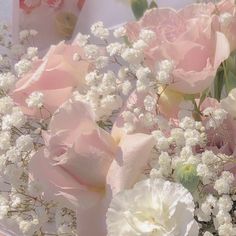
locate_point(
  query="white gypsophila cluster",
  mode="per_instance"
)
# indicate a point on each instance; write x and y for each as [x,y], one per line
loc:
[32,53]
[22,67]
[65,221]
[91,51]
[35,99]
[147,35]
[119,32]
[7,81]
[216,117]
[26,35]
[224,183]
[152,207]
[140,115]
[14,119]
[82,39]
[98,30]
[164,70]
[143,79]
[115,48]
[102,94]
[101,62]
[6,105]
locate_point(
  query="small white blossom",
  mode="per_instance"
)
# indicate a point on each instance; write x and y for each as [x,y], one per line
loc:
[119,32]
[7,80]
[227,230]
[82,39]
[6,105]
[178,136]
[208,234]
[24,143]
[35,100]
[147,35]
[23,66]
[99,30]
[140,45]
[224,183]
[205,173]
[225,203]
[101,62]
[126,87]
[32,52]
[91,51]
[23,35]
[29,227]
[16,119]
[149,103]
[115,48]
[5,140]
[132,55]
[215,117]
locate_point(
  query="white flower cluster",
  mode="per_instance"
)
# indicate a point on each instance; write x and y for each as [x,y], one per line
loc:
[102,94]
[35,99]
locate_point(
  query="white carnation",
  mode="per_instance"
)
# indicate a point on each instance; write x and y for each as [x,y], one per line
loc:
[153,207]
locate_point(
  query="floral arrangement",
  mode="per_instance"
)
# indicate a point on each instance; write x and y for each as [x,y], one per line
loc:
[132,135]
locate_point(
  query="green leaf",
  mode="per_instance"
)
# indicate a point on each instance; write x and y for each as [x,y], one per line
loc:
[230,82]
[230,64]
[219,84]
[139,7]
[153,4]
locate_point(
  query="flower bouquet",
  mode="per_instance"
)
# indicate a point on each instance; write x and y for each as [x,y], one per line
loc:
[123,132]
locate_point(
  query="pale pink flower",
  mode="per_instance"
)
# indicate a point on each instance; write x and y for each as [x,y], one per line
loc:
[227,11]
[191,38]
[84,165]
[55,76]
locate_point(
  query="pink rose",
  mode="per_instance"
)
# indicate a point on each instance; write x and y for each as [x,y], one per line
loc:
[227,11]
[83,164]
[191,38]
[56,75]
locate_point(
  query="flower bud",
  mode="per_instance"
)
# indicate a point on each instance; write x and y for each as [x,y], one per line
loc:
[186,174]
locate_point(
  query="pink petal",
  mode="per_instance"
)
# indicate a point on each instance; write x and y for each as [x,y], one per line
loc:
[60,184]
[130,161]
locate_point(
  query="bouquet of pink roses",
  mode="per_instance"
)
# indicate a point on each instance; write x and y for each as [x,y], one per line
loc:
[132,135]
